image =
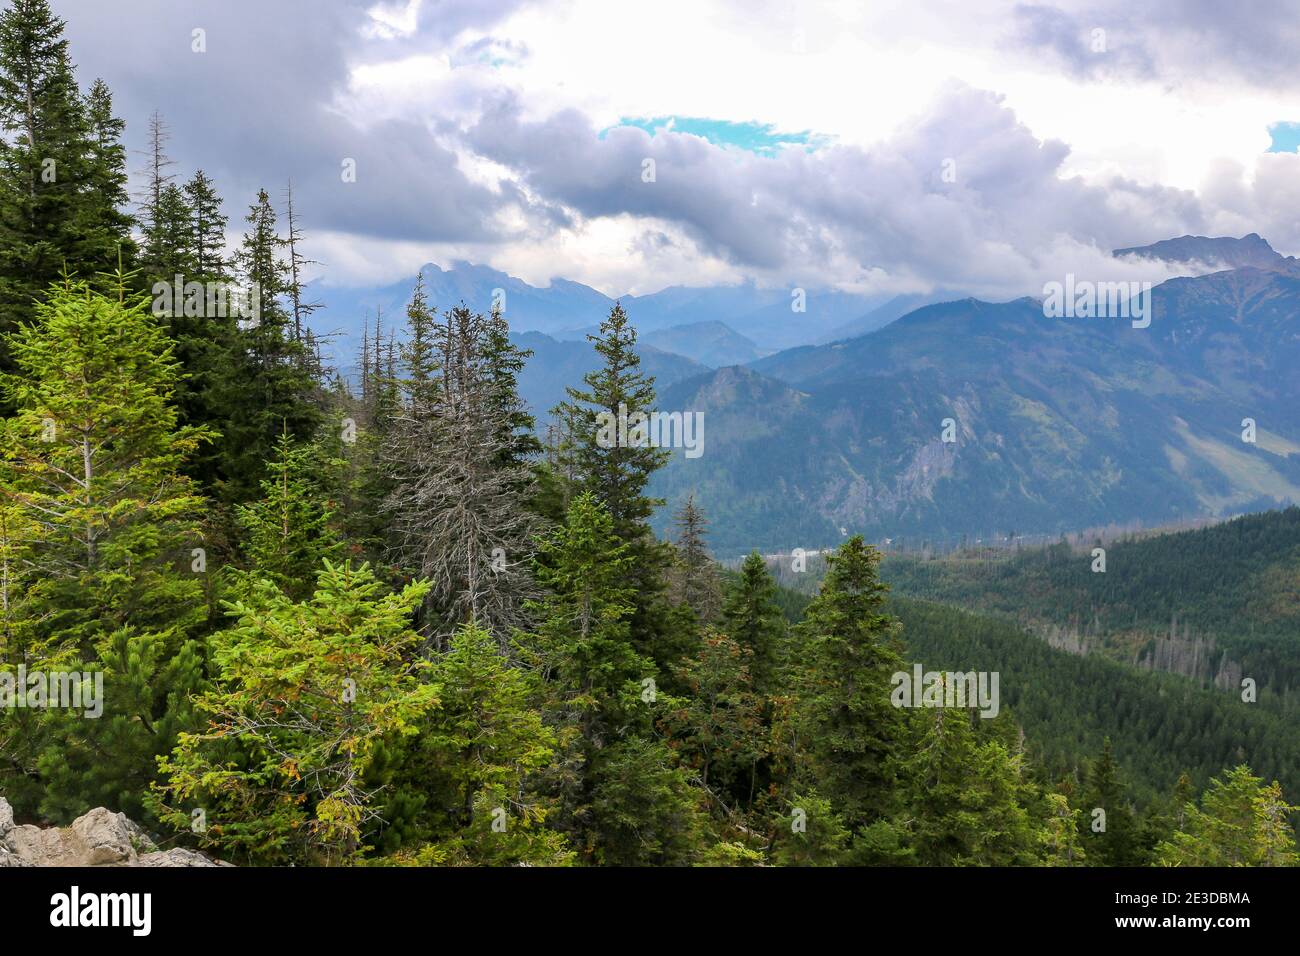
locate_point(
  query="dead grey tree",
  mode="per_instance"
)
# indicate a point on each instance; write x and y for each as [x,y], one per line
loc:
[458,505]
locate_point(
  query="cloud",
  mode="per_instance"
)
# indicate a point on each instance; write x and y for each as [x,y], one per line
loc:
[843,213]
[1172,41]
[260,107]
[491,131]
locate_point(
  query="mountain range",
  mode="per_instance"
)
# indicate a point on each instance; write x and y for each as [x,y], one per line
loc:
[1057,423]
[756,320]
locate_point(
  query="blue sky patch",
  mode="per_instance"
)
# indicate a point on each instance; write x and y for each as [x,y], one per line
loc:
[1286,137]
[755,137]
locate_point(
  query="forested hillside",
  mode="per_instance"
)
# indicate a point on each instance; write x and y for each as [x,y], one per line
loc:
[980,418]
[1215,604]
[393,620]
[1160,726]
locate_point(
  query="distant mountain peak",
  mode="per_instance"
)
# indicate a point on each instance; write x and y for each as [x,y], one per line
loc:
[1250,251]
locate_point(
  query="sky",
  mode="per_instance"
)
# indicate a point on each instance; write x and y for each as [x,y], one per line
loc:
[873,147]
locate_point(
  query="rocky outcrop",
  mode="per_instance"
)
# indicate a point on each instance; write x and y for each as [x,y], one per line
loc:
[97,838]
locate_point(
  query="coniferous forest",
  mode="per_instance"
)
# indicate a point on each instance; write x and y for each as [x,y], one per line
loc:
[382,612]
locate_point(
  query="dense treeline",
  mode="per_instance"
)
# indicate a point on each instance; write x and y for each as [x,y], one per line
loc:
[382,624]
[1161,726]
[1217,602]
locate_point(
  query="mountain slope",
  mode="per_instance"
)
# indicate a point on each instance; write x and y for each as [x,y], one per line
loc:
[555,364]
[882,315]
[1227,252]
[714,344]
[1058,423]
[565,309]
[1214,604]
[1159,725]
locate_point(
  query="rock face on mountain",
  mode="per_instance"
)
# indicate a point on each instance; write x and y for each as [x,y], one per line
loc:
[97,838]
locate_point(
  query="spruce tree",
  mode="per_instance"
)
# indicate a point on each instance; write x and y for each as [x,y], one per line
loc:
[93,458]
[693,578]
[617,473]
[291,529]
[1240,822]
[304,697]
[596,691]
[162,212]
[61,173]
[104,226]
[458,500]
[716,726]
[966,798]
[850,730]
[207,229]
[477,756]
[272,391]
[1112,839]
[581,644]
[301,308]
[752,617]
[100,529]
[208,342]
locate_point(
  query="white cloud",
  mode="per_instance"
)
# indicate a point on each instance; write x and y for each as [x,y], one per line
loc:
[1161,133]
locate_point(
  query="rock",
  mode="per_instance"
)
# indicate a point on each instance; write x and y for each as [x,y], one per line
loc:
[109,838]
[42,847]
[6,819]
[177,856]
[11,859]
[98,838]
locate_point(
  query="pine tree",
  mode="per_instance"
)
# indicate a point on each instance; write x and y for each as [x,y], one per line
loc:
[1241,822]
[617,473]
[694,581]
[305,694]
[849,728]
[752,617]
[99,527]
[1112,839]
[291,529]
[60,166]
[112,761]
